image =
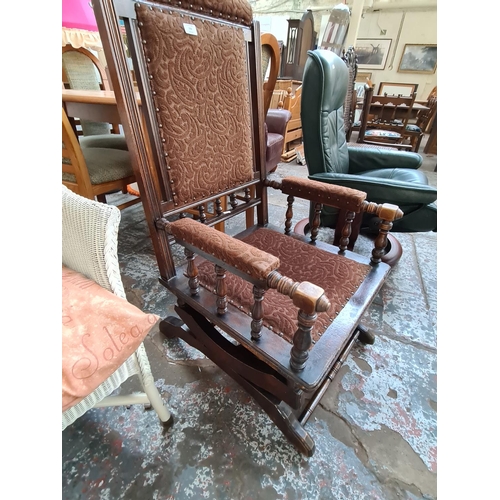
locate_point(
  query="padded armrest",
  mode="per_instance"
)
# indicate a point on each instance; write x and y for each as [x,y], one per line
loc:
[277,120]
[321,192]
[381,190]
[231,251]
[362,159]
[248,262]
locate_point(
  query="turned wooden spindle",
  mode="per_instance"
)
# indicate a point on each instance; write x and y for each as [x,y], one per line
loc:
[310,299]
[247,195]
[380,243]
[289,214]
[218,206]
[203,216]
[257,312]
[192,273]
[221,290]
[233,201]
[387,214]
[316,221]
[302,340]
[346,231]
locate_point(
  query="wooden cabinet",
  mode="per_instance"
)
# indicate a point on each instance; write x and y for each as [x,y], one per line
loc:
[301,37]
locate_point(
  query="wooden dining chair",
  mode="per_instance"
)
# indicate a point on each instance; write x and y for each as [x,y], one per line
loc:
[82,70]
[270,53]
[384,119]
[415,132]
[94,172]
[278,312]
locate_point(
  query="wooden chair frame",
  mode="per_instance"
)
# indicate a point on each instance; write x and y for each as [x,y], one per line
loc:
[77,166]
[292,103]
[384,112]
[411,88]
[286,380]
[270,41]
[104,84]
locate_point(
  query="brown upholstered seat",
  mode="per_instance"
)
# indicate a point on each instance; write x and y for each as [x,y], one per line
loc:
[301,263]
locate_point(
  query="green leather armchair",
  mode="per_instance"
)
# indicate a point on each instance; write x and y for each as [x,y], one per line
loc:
[386,175]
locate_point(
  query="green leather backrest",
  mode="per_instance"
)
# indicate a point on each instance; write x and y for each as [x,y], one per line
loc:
[324,87]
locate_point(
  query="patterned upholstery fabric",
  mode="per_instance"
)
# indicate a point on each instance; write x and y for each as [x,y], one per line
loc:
[413,128]
[248,259]
[338,276]
[236,10]
[321,192]
[382,133]
[100,331]
[104,165]
[209,96]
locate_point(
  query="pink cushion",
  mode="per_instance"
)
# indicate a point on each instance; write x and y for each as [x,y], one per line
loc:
[99,332]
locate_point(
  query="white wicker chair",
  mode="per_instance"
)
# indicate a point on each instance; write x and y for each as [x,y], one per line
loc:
[89,246]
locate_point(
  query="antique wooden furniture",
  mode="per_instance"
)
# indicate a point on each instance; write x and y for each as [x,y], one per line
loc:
[415,131]
[301,37]
[384,119]
[351,60]
[431,145]
[277,312]
[396,88]
[94,172]
[89,247]
[276,120]
[270,60]
[92,104]
[336,29]
[291,102]
[81,70]
[380,172]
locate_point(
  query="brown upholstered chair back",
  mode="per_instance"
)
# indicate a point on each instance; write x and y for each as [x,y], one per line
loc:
[211,99]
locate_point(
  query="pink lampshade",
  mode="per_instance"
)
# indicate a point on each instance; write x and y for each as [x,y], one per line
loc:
[78,14]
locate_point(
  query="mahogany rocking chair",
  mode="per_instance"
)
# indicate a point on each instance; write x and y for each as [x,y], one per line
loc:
[291,305]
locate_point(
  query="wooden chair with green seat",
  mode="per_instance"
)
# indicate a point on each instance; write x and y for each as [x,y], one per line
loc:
[384,119]
[415,131]
[82,70]
[94,172]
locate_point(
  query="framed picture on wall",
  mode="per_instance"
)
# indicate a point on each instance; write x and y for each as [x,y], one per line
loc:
[418,58]
[372,52]
[404,89]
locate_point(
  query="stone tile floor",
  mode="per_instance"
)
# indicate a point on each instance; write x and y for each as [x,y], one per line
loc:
[375,429]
